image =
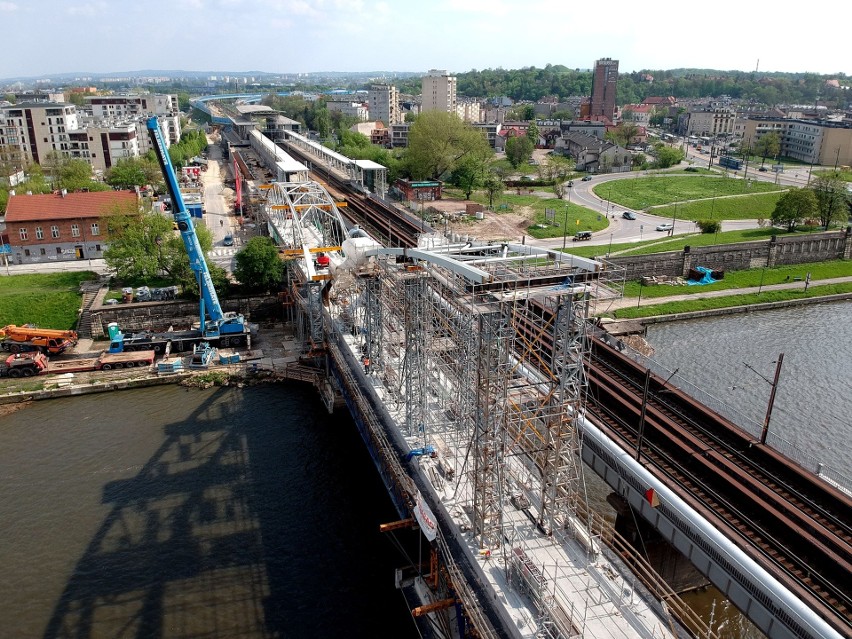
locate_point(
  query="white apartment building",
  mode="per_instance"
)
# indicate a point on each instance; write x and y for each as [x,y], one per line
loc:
[347,107]
[33,130]
[438,92]
[469,111]
[708,122]
[127,106]
[30,132]
[383,100]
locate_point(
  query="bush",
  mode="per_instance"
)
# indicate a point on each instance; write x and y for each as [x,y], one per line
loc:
[709,226]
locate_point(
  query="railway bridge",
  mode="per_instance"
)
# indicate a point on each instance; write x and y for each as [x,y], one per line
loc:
[772,536]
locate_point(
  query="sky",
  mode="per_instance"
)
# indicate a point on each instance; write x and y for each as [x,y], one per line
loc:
[44,37]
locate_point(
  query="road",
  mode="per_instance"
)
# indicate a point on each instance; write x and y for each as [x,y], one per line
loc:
[218,207]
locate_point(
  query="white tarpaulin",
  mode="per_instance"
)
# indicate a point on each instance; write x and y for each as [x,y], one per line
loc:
[425,518]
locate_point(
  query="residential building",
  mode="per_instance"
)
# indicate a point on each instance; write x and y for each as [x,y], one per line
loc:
[707,121]
[639,114]
[34,130]
[604,84]
[491,131]
[594,155]
[811,141]
[591,128]
[399,134]
[131,105]
[383,100]
[469,110]
[347,107]
[103,144]
[438,91]
[62,226]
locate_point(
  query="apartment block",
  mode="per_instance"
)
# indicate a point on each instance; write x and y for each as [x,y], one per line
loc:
[34,130]
[812,141]
[347,107]
[438,91]
[383,100]
[709,122]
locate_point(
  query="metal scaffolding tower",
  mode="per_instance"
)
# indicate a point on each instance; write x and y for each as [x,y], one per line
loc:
[414,364]
[492,372]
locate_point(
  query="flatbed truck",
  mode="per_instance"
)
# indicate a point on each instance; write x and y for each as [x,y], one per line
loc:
[30,364]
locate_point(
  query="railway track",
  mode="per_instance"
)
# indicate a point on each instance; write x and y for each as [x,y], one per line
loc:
[383,222]
[796,526]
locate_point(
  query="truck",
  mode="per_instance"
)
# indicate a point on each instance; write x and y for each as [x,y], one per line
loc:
[22,339]
[217,328]
[30,364]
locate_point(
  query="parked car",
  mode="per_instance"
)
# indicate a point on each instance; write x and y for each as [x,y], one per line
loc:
[763,169]
[628,215]
[587,178]
[582,235]
[228,240]
[665,226]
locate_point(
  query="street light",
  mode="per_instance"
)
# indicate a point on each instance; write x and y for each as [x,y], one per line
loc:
[565,226]
[609,250]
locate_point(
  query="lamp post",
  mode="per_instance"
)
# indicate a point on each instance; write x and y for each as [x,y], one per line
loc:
[609,250]
[565,227]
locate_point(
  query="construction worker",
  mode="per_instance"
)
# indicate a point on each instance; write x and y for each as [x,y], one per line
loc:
[366,365]
[323,260]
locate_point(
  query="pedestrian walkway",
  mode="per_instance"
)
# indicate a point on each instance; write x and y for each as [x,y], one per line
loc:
[627,302]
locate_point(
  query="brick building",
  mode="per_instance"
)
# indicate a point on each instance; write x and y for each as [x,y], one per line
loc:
[62,226]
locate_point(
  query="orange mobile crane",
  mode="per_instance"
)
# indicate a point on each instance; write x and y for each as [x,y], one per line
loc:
[20,339]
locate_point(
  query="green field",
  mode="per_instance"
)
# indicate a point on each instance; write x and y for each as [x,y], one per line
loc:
[640,193]
[843,174]
[745,207]
[658,243]
[49,301]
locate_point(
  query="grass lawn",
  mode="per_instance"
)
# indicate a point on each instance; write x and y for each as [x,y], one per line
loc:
[732,300]
[640,193]
[47,300]
[578,218]
[746,207]
[658,245]
[748,278]
[843,174]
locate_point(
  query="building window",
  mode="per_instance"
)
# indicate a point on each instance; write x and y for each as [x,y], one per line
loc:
[75,230]
[96,229]
[27,252]
[58,251]
[42,252]
[39,233]
[54,231]
[98,248]
[22,233]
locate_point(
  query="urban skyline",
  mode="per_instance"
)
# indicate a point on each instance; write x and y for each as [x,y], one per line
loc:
[293,36]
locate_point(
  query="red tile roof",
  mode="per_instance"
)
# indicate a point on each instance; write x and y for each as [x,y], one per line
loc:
[35,208]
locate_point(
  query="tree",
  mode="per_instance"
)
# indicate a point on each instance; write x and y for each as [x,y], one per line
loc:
[667,156]
[493,185]
[259,266]
[322,123]
[130,172]
[146,246]
[533,133]
[832,200]
[518,150]
[793,207]
[437,141]
[469,174]
[768,146]
[557,168]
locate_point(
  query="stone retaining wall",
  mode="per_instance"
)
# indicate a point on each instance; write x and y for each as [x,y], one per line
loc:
[180,314]
[777,251]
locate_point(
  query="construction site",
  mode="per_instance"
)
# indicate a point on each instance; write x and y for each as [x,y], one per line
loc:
[463,366]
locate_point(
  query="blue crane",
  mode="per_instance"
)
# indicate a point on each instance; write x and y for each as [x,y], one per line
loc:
[219,323]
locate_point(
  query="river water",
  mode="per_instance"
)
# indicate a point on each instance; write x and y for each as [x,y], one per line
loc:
[168,512]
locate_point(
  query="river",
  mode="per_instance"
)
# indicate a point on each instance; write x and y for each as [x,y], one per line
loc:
[168,512]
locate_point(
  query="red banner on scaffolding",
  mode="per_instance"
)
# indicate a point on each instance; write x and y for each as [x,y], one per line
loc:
[238,181]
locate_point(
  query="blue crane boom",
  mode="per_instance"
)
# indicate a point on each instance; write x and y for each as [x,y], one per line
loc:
[209,298]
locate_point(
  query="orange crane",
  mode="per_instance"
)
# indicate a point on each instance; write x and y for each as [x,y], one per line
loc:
[18,339]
